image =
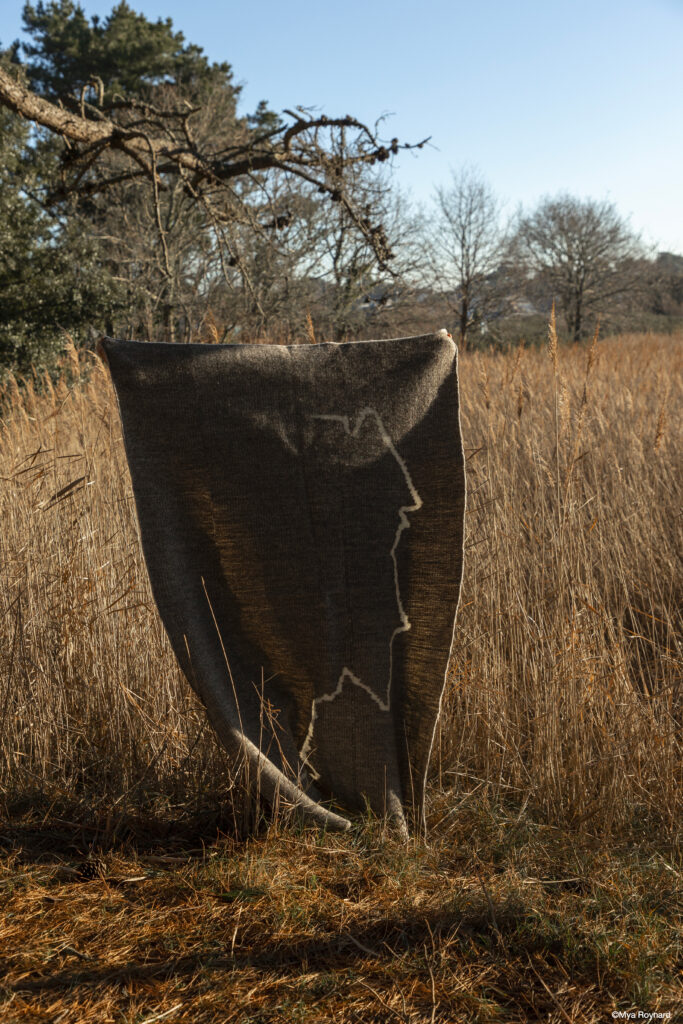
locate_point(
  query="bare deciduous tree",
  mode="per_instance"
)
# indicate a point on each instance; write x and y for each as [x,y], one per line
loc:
[586,255]
[466,250]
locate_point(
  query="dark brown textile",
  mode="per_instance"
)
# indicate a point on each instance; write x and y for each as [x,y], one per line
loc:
[301,512]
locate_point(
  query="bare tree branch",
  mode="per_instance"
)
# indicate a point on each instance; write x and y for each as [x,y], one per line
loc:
[159,142]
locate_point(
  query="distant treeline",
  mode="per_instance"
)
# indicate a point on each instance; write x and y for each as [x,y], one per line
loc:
[135,200]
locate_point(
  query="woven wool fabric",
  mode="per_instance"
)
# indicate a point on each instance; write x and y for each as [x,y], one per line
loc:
[301,513]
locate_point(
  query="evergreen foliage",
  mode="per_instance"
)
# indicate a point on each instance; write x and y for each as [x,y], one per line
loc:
[49,278]
[72,266]
[129,54]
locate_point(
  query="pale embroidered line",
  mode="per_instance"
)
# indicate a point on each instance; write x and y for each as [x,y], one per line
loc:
[403,524]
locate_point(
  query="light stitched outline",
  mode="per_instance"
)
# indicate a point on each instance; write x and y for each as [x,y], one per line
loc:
[403,524]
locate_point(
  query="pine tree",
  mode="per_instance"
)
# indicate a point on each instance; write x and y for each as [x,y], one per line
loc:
[129,55]
[49,275]
[145,250]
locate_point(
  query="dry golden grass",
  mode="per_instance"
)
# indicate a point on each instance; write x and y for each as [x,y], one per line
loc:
[503,920]
[566,679]
[558,756]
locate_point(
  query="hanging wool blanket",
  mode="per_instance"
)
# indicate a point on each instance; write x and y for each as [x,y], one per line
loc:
[301,513]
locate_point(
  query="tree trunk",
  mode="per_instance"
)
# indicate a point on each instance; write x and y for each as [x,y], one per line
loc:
[577,319]
[169,322]
[464,320]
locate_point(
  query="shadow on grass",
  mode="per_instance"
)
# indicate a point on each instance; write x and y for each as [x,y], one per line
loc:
[381,941]
[57,837]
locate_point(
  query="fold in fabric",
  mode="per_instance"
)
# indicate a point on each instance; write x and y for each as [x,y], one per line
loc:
[301,514]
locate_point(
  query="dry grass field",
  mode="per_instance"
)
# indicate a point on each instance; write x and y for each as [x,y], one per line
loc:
[549,887]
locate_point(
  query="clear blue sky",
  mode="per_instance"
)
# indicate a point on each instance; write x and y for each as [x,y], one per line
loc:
[542,95]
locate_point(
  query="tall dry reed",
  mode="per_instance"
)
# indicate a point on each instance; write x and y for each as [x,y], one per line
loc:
[565,686]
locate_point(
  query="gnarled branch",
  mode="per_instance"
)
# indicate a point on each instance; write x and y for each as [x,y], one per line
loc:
[157,142]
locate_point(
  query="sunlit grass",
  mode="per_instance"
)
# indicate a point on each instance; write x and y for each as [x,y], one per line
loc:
[550,884]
